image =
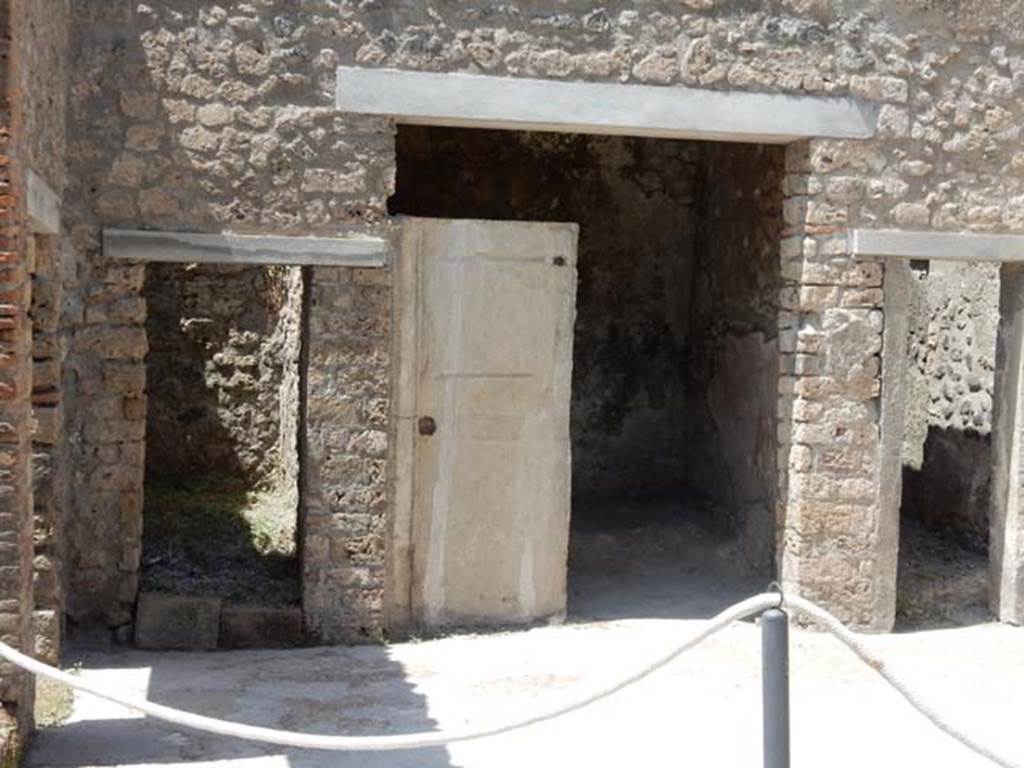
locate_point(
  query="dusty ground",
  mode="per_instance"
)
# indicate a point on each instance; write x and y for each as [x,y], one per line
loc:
[214,537]
[703,710]
[628,560]
[942,582]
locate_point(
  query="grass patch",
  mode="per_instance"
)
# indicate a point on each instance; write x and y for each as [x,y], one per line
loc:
[213,536]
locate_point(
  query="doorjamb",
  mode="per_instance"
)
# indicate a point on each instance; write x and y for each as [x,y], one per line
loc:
[398,587]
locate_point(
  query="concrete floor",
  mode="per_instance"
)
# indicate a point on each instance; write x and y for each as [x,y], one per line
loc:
[703,710]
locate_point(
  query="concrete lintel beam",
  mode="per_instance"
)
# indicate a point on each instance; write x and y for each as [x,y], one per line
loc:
[189,247]
[43,205]
[486,101]
[940,246]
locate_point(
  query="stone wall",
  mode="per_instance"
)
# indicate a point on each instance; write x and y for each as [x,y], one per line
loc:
[222,371]
[43,42]
[41,76]
[44,54]
[345,453]
[947,448]
[221,116]
[44,77]
[203,120]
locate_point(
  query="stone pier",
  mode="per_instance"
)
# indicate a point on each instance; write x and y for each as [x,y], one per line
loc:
[833,547]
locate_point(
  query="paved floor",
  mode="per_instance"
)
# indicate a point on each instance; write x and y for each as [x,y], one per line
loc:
[704,710]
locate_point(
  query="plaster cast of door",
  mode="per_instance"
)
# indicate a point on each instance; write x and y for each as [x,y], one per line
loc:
[485,313]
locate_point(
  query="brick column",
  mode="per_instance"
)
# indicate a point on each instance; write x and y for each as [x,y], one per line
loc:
[16,692]
[1006,541]
[834,545]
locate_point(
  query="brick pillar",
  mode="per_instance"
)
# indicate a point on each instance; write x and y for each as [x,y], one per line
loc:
[835,547]
[15,440]
[1006,542]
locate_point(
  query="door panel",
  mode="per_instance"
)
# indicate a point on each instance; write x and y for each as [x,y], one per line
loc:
[496,304]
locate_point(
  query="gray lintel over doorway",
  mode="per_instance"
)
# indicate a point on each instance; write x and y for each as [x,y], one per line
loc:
[940,246]
[188,247]
[487,101]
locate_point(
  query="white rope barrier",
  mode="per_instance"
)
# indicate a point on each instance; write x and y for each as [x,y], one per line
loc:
[827,621]
[744,609]
[749,607]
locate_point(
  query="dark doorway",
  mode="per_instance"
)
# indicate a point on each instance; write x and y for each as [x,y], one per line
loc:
[675,350]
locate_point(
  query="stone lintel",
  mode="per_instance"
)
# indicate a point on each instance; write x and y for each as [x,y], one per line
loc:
[487,101]
[43,205]
[941,246]
[224,248]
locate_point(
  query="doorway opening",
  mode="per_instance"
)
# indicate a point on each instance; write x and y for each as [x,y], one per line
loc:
[675,363]
[942,576]
[222,464]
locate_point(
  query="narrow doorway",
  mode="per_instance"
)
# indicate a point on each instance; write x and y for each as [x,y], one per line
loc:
[221,486]
[942,576]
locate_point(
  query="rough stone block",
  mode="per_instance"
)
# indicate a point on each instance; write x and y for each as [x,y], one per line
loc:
[46,425]
[124,378]
[170,622]
[45,374]
[46,630]
[10,742]
[878,88]
[249,626]
[115,343]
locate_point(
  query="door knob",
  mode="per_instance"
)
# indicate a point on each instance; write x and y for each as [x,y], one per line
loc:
[427,426]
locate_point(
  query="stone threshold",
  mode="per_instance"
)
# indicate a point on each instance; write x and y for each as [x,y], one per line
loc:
[173,622]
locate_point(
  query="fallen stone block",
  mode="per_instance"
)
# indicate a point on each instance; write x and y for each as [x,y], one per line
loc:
[46,629]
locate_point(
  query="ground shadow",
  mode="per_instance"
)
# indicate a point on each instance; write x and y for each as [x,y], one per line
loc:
[211,536]
[942,582]
[654,558]
[357,691]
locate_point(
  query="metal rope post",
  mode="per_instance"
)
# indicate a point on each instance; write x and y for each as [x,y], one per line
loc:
[775,687]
